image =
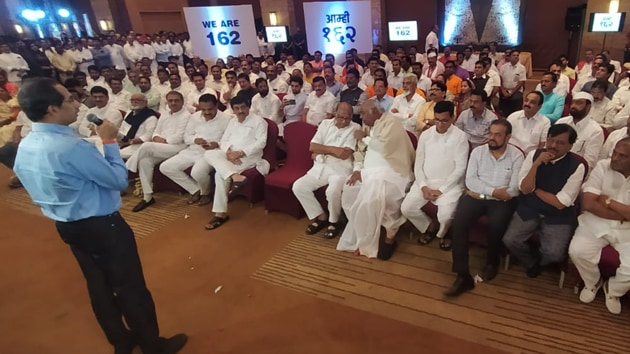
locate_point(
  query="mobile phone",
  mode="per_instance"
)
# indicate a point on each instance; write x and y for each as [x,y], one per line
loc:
[291,102]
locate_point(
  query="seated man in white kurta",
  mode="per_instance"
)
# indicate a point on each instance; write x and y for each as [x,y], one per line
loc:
[605,221]
[372,196]
[332,148]
[265,103]
[103,109]
[137,127]
[440,167]
[203,132]
[167,140]
[241,148]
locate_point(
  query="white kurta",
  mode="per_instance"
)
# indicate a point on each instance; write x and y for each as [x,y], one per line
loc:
[108,112]
[144,133]
[267,107]
[528,133]
[406,110]
[192,100]
[319,107]
[440,164]
[595,233]
[121,100]
[249,136]
[83,58]
[590,138]
[197,127]
[327,170]
[117,54]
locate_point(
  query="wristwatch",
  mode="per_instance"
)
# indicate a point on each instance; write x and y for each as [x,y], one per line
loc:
[482,196]
[607,202]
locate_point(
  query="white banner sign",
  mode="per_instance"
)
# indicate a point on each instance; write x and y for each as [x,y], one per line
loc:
[219,31]
[334,27]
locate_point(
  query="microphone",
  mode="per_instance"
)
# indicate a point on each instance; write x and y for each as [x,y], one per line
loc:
[92,118]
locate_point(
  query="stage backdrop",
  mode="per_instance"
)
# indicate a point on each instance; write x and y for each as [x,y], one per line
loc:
[219,31]
[482,21]
[336,26]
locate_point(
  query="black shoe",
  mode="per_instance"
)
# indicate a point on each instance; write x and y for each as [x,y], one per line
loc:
[172,345]
[534,271]
[127,346]
[489,272]
[386,250]
[143,205]
[461,285]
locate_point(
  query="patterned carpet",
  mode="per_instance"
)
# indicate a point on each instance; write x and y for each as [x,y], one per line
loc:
[169,207]
[512,313]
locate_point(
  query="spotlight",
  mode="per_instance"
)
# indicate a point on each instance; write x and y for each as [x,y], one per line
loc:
[63,13]
[33,15]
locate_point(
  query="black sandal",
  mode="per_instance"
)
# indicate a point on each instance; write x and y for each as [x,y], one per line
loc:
[444,246]
[216,222]
[316,226]
[333,230]
[426,238]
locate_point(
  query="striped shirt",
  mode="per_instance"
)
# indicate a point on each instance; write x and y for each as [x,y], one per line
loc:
[485,173]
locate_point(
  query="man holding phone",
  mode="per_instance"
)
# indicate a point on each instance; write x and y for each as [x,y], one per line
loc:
[65,175]
[292,107]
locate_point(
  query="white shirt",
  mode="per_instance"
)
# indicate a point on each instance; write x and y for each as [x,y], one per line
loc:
[621,97]
[528,133]
[603,112]
[98,82]
[469,64]
[117,53]
[289,68]
[589,140]
[329,135]
[162,51]
[318,107]
[176,49]
[108,112]
[250,136]
[605,181]
[611,141]
[278,85]
[172,126]
[181,89]
[267,107]
[367,79]
[233,92]
[512,75]
[188,48]
[581,82]
[145,130]
[562,87]
[424,84]
[571,188]
[80,56]
[395,81]
[431,41]
[162,88]
[192,99]
[148,52]
[216,85]
[444,170]
[133,52]
[10,62]
[587,70]
[210,130]
[120,100]
[407,110]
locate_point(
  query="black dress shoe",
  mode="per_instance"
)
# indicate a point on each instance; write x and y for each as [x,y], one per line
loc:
[489,272]
[534,271]
[143,205]
[386,250]
[461,285]
[172,345]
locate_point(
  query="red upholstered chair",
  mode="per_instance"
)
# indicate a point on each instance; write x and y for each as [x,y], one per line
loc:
[281,96]
[279,184]
[609,262]
[414,139]
[254,190]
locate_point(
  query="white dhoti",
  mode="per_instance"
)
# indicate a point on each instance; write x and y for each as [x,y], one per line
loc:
[585,252]
[305,187]
[146,157]
[370,204]
[411,208]
[174,168]
[224,170]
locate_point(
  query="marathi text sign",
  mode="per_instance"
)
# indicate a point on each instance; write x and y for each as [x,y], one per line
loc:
[334,27]
[219,31]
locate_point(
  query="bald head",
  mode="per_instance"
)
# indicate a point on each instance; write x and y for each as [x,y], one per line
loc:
[370,111]
[138,101]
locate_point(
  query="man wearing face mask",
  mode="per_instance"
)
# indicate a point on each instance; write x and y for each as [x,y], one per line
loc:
[203,132]
[550,181]
[590,136]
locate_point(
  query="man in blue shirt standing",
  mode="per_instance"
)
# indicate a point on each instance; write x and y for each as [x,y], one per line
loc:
[79,187]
